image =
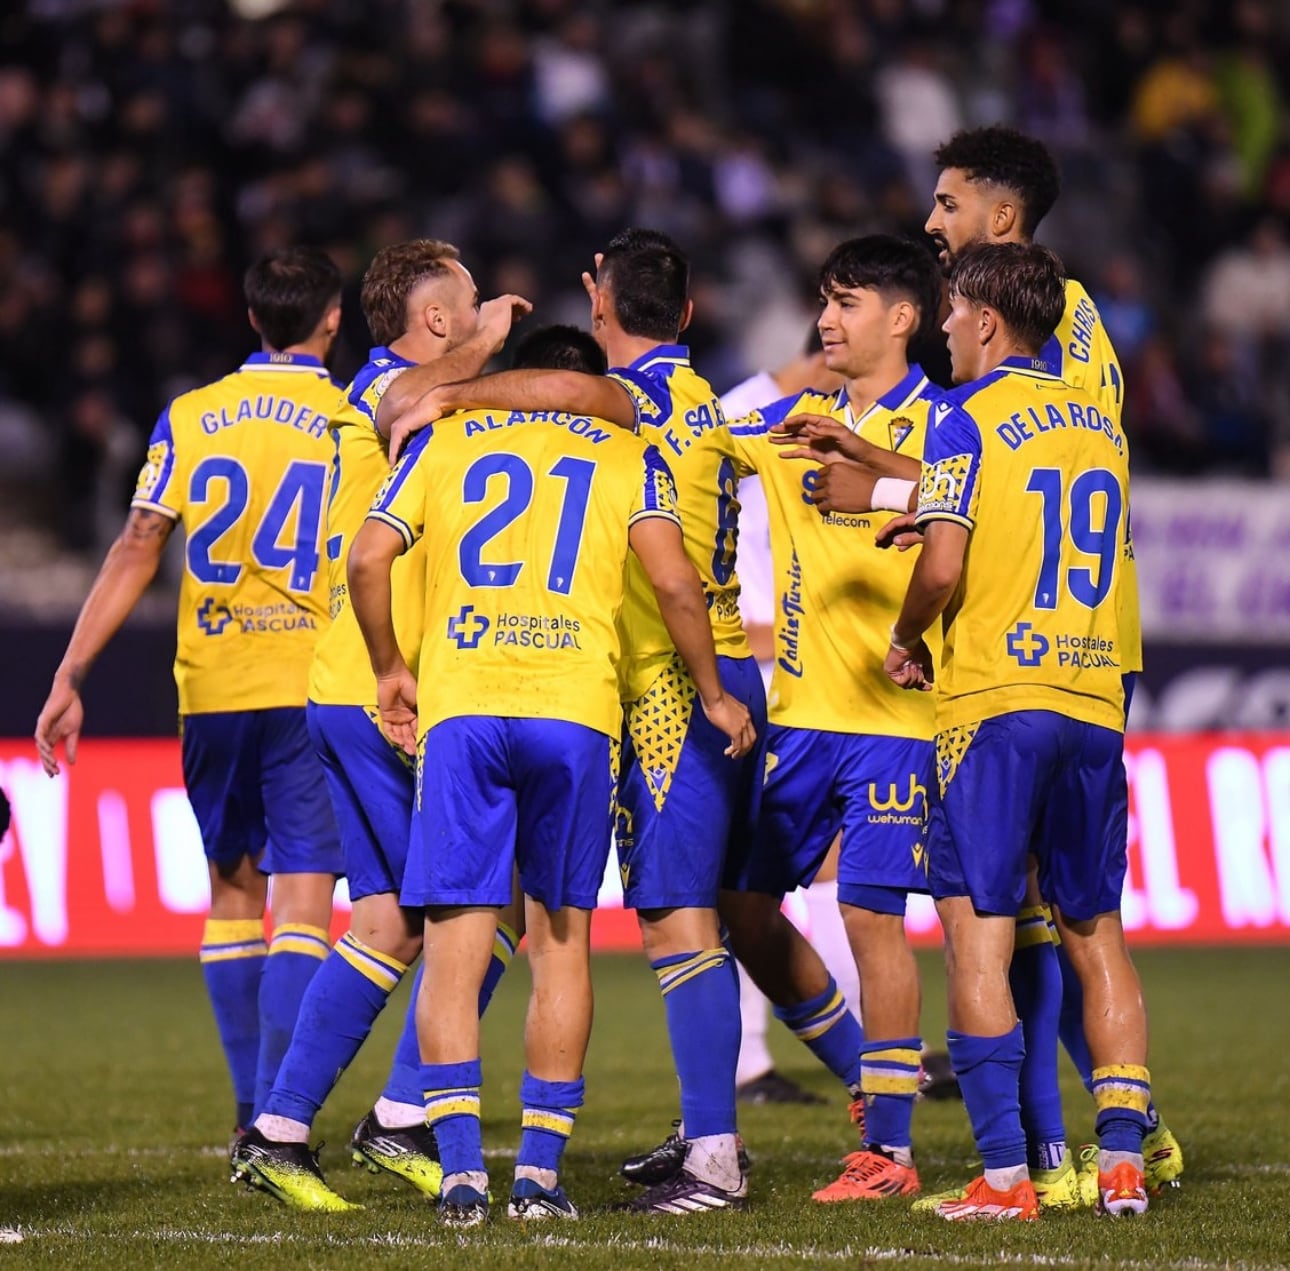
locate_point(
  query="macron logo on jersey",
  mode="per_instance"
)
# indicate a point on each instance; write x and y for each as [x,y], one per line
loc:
[213,618]
[467,628]
[1026,645]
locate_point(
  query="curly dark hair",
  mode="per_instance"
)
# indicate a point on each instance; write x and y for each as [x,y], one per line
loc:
[1006,157]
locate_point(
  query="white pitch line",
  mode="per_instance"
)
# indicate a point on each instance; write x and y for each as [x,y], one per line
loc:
[658,1244]
[160,1153]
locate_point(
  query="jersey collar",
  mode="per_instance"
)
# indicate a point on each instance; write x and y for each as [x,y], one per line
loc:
[897,398]
[676,354]
[285,361]
[1039,367]
[381,353]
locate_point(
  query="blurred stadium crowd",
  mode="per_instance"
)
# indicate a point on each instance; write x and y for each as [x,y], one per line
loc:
[150,149]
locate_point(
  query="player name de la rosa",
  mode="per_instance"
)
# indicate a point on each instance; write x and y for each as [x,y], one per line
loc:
[1025,425]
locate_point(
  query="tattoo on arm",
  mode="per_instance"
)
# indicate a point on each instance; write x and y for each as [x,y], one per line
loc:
[143,526]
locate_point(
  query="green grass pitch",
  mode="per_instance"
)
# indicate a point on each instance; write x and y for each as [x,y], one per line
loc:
[115,1112]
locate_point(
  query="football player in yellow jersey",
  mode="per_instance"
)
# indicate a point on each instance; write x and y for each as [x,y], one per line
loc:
[1030,704]
[529,519]
[681,800]
[997,185]
[423,310]
[243,464]
[845,750]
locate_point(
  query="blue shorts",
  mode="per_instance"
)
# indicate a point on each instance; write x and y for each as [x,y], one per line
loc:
[873,789]
[1030,781]
[256,786]
[682,803]
[493,793]
[372,785]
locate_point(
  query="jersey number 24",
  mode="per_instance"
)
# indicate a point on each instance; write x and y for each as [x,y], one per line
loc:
[300,490]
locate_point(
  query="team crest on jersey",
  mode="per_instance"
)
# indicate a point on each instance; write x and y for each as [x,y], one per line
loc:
[153,466]
[898,429]
[647,409]
[376,390]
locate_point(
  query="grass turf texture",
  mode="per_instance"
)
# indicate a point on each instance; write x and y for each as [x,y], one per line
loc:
[116,1110]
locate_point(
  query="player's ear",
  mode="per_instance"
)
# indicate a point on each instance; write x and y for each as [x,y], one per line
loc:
[435,319]
[904,318]
[987,325]
[255,326]
[331,319]
[687,312]
[1005,218]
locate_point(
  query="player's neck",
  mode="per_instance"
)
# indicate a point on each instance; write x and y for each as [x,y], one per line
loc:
[863,390]
[306,348]
[998,351]
[419,347]
[622,349]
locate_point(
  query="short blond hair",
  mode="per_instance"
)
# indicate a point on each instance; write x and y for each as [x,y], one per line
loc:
[391,278]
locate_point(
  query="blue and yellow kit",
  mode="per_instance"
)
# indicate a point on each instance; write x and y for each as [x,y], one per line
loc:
[341,674]
[1039,476]
[369,779]
[244,464]
[835,587]
[1080,353]
[846,749]
[526,518]
[678,412]
[1029,690]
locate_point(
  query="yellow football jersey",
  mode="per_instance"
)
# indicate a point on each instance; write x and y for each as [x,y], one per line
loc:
[243,463]
[1040,477]
[525,520]
[678,412]
[1080,353]
[837,592]
[341,674]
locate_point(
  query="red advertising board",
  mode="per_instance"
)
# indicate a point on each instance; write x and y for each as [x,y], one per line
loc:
[106,859]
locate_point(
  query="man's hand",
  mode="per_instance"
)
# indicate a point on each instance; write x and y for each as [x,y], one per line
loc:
[900,533]
[498,315]
[420,414]
[589,283]
[60,720]
[911,667]
[843,486]
[821,440]
[731,716]
[396,698]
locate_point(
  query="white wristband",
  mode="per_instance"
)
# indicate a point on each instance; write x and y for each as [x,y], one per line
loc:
[891,494]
